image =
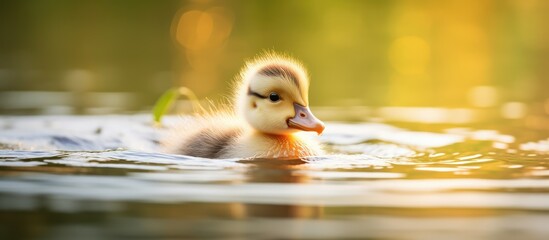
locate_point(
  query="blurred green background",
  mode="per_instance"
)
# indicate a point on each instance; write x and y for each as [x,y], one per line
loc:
[121,55]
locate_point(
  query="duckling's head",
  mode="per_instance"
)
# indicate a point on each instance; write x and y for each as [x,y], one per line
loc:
[273,96]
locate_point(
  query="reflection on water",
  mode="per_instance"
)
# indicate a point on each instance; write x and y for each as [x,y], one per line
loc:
[101,177]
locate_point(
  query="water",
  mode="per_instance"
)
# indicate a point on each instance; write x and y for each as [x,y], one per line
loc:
[103,177]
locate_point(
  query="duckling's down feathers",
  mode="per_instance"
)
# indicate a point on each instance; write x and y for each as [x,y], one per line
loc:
[204,136]
[225,136]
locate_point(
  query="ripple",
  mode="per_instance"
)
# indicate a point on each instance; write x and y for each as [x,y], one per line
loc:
[174,160]
[439,169]
[73,163]
[21,164]
[23,155]
[194,176]
[367,165]
[345,162]
[387,193]
[541,146]
[387,151]
[352,175]
[337,133]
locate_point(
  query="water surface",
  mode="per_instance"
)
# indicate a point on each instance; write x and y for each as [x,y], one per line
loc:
[104,177]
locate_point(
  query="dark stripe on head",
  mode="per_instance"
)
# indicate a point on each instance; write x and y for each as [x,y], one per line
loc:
[277,70]
[252,93]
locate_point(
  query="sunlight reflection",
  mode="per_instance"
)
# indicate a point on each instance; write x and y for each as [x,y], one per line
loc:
[428,114]
[440,169]
[483,135]
[483,96]
[539,146]
[514,110]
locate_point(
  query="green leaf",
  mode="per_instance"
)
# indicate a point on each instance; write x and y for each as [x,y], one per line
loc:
[164,103]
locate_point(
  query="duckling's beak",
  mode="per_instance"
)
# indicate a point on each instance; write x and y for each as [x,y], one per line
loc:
[305,120]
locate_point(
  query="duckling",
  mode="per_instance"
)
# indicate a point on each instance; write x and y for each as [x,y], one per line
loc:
[269,110]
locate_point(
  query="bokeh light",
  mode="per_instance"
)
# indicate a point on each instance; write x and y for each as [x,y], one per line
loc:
[482,57]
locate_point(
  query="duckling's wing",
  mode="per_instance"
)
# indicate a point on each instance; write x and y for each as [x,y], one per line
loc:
[207,137]
[210,143]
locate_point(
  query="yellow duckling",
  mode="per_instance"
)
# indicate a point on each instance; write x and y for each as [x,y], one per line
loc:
[270,104]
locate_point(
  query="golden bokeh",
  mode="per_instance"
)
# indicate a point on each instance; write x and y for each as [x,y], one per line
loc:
[468,54]
[410,55]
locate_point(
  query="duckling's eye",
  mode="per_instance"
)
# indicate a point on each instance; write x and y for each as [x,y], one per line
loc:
[274,97]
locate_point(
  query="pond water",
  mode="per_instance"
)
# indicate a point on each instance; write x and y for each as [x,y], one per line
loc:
[103,177]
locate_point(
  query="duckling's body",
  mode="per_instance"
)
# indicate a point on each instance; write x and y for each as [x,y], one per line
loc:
[270,108]
[203,138]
